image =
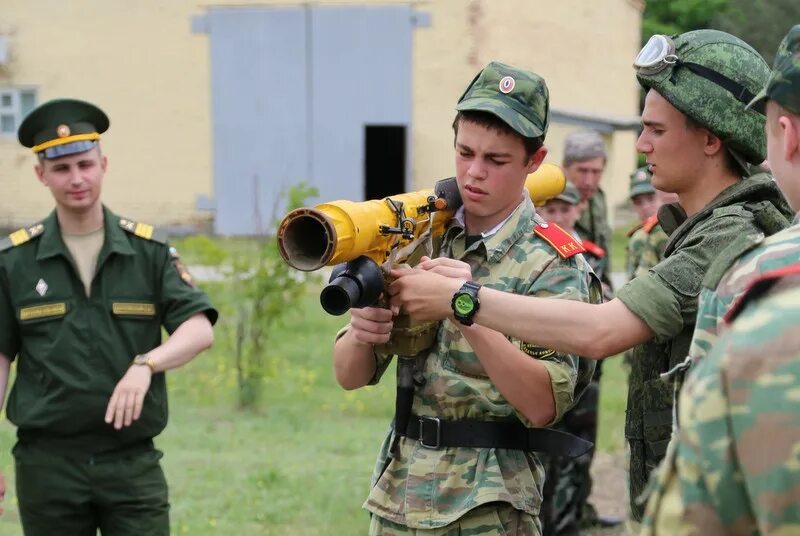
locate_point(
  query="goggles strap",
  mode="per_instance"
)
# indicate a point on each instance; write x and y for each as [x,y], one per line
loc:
[741,93]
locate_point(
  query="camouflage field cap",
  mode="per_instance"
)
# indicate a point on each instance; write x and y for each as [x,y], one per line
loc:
[783,85]
[640,183]
[710,76]
[62,127]
[520,98]
[569,195]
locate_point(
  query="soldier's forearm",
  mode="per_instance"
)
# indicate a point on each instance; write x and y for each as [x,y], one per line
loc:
[522,380]
[572,327]
[191,338]
[353,362]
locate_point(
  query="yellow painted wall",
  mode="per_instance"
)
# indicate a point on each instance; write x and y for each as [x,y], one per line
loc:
[140,62]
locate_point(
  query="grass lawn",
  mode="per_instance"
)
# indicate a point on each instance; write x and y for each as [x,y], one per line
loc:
[301,463]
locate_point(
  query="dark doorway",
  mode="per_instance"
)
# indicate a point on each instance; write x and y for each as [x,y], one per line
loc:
[384,161]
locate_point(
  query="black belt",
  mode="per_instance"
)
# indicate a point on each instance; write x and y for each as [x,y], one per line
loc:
[433,432]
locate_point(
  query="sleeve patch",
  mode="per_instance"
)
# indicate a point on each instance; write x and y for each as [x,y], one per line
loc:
[181,267]
[535,351]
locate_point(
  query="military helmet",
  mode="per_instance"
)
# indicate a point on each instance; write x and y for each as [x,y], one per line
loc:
[710,76]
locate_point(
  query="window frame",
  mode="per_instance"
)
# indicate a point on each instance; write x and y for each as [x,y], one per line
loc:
[15,109]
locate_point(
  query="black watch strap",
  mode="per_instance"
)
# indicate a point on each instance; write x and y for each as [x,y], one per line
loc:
[465,302]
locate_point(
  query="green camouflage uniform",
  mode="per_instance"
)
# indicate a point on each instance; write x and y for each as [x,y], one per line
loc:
[569,481]
[731,468]
[593,225]
[666,298]
[647,241]
[424,488]
[645,250]
[736,450]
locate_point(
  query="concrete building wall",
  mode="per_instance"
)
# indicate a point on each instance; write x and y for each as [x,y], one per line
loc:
[142,64]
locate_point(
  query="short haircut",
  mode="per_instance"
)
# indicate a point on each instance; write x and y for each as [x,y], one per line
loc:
[729,161]
[583,145]
[492,122]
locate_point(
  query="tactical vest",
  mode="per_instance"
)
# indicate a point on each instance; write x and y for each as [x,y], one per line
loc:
[650,409]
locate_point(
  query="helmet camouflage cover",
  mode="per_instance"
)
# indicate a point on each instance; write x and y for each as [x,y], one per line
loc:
[708,103]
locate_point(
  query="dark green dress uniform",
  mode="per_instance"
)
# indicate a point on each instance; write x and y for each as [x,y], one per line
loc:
[75,472]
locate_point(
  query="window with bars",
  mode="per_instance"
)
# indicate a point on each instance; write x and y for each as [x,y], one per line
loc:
[15,104]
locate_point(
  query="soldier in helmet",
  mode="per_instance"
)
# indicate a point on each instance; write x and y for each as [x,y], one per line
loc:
[84,295]
[732,468]
[698,137]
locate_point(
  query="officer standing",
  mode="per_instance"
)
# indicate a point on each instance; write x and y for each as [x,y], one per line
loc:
[83,297]
[698,137]
[739,396]
[465,463]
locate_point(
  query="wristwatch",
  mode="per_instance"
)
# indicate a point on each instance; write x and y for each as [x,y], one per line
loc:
[466,303]
[144,360]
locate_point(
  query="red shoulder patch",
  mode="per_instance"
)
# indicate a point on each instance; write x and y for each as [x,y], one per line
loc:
[593,249]
[564,243]
[649,223]
[757,287]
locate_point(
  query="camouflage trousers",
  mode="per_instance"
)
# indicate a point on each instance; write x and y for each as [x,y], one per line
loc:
[491,519]
[568,482]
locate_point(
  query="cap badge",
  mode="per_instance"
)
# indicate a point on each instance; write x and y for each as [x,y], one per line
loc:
[62,131]
[506,84]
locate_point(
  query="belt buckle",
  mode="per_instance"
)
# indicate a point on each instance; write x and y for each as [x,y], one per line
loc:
[435,420]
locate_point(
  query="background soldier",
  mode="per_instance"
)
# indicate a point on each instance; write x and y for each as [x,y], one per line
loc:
[83,297]
[568,493]
[697,137]
[568,482]
[646,241]
[464,463]
[741,392]
[583,163]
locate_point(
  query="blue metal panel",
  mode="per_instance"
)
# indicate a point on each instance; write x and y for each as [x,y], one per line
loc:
[361,75]
[259,113]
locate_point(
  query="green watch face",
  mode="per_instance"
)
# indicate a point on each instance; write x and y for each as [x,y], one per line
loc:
[464,304]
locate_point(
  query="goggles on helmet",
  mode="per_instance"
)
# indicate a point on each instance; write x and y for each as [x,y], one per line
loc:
[656,55]
[659,53]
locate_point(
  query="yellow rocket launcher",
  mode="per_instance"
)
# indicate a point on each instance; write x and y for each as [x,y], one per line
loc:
[341,231]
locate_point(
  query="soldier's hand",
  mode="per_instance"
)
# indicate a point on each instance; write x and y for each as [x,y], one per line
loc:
[126,402]
[423,294]
[371,325]
[447,267]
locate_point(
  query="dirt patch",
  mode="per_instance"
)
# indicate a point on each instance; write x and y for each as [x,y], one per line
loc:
[609,490]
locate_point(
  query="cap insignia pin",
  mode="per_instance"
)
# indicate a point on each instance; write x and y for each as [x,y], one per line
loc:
[507,84]
[41,287]
[62,131]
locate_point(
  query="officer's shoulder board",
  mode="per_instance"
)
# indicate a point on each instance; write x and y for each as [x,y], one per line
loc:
[650,223]
[725,258]
[20,236]
[563,242]
[143,230]
[758,287]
